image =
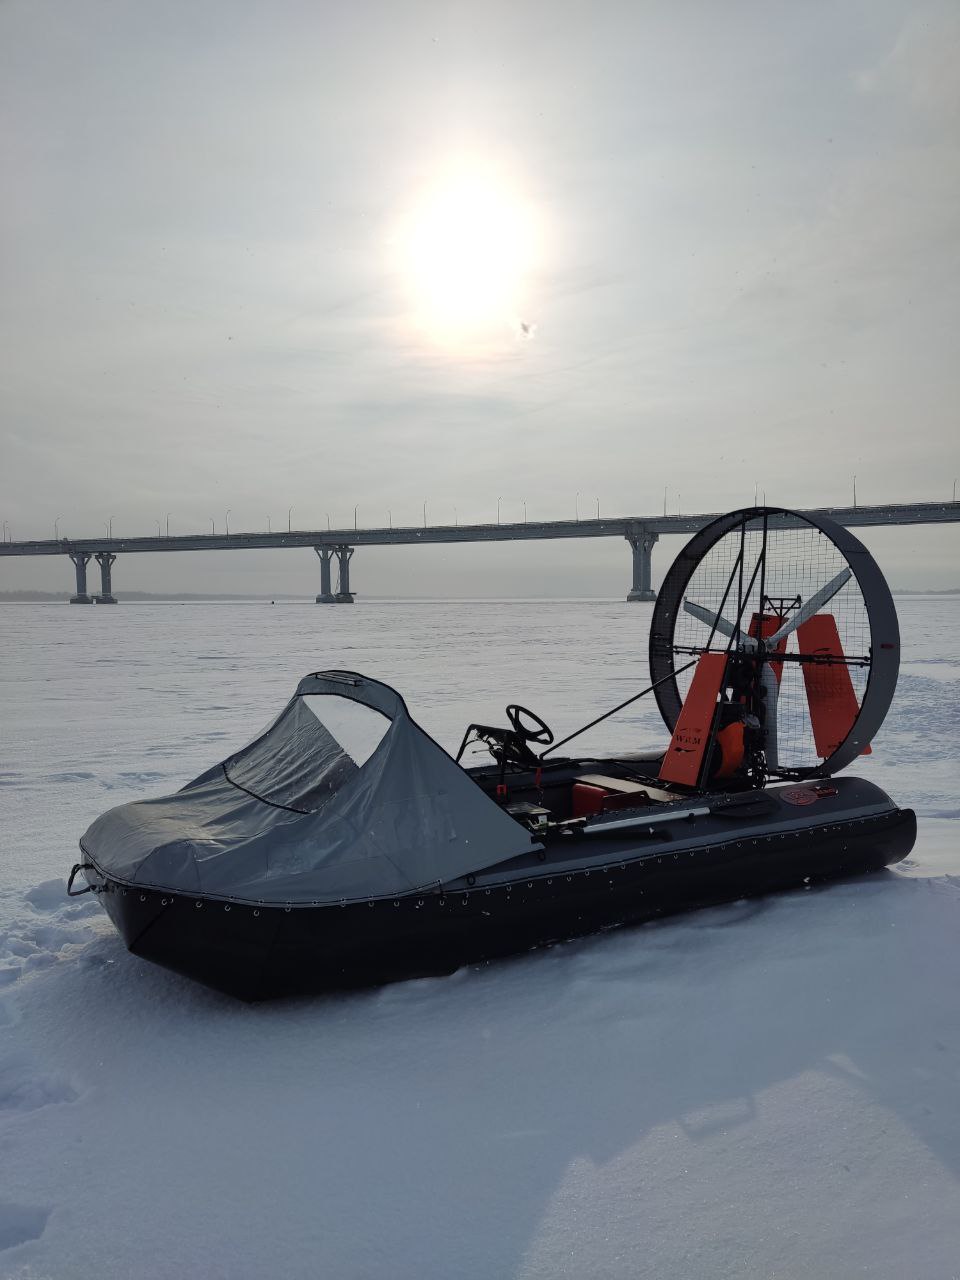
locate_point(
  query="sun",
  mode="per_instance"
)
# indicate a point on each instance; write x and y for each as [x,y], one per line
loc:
[468,247]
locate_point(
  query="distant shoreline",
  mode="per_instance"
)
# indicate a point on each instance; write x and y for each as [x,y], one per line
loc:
[59,597]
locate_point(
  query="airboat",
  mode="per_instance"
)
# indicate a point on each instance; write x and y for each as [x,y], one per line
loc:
[344,847]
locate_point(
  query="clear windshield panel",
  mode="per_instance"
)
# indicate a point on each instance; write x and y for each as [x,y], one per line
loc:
[317,744]
[357,728]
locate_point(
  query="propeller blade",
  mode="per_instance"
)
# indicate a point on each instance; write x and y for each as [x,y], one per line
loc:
[813,605]
[718,622]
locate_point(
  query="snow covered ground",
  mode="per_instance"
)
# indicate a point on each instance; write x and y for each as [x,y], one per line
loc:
[768,1089]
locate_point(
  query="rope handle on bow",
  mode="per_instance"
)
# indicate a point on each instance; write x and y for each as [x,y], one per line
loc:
[78,893]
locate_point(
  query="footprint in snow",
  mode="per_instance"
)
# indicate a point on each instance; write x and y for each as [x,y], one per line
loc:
[51,896]
[23,1088]
[20,1223]
[35,938]
[48,896]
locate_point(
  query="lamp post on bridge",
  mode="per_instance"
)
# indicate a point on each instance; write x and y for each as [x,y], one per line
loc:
[289,518]
[356,508]
[499,500]
[168,524]
[577,505]
[213,527]
[56,527]
[109,527]
[226,521]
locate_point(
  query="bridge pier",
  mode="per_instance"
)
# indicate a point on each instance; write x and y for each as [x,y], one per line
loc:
[641,544]
[105,560]
[326,595]
[80,561]
[344,594]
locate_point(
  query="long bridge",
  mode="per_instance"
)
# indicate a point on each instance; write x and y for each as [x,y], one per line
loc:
[641,532]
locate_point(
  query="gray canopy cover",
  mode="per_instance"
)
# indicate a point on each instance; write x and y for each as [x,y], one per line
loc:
[293,818]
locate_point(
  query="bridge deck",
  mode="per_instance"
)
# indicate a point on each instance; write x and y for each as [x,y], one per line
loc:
[613,527]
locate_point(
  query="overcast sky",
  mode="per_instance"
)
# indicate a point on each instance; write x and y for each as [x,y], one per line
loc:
[316,255]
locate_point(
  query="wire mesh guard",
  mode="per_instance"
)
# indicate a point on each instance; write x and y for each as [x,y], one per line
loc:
[778,595]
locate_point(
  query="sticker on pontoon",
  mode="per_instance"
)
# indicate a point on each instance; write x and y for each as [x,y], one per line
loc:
[800,795]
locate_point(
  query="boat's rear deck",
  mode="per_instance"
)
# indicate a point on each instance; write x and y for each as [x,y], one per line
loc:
[587,813]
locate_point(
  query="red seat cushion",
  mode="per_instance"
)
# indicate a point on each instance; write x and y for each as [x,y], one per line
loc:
[587,799]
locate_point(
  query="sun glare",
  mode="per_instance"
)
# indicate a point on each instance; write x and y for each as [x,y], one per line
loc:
[468,247]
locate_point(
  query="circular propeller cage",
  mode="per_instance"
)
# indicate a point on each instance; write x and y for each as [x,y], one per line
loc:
[798,603]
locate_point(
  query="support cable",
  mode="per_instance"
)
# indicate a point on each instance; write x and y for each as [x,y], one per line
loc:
[607,714]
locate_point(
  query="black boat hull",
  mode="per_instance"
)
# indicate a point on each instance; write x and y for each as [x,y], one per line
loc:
[262,951]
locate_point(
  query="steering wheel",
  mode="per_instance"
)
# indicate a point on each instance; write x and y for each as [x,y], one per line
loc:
[536,730]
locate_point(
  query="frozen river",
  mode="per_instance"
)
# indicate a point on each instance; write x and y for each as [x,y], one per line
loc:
[759,1090]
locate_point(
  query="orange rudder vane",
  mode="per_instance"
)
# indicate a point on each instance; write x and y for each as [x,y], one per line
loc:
[830,692]
[694,728]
